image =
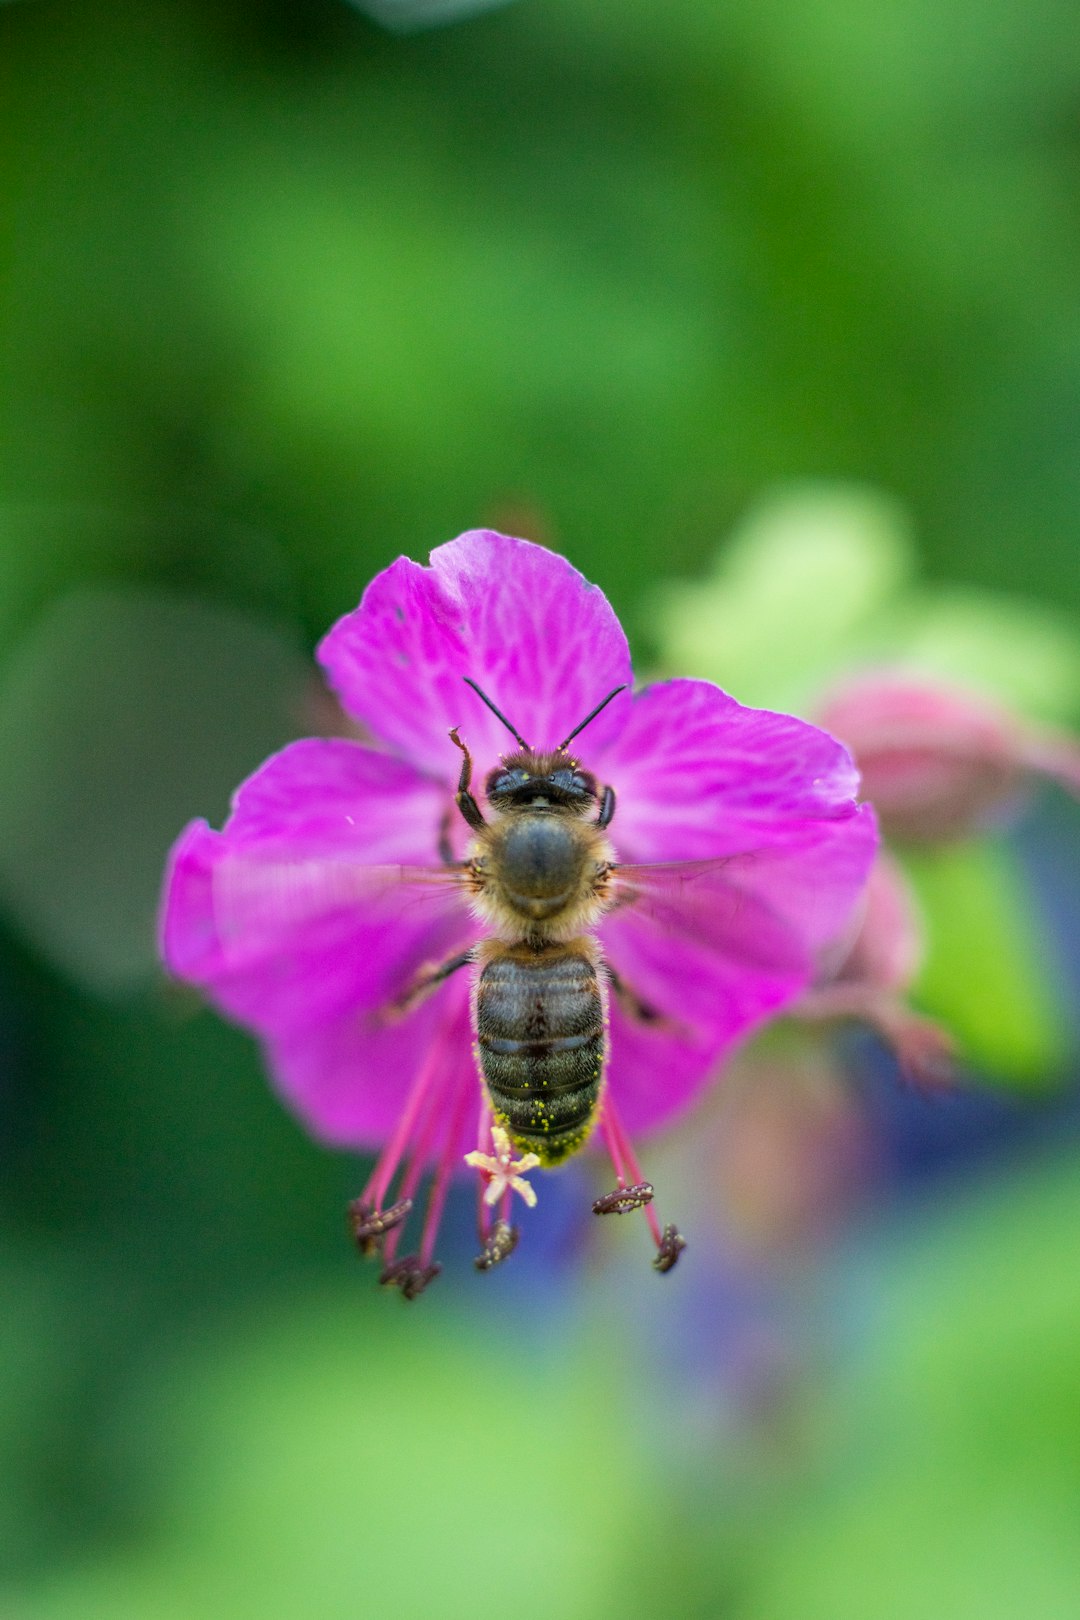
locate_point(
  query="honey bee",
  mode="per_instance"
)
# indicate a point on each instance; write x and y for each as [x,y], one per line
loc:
[540,874]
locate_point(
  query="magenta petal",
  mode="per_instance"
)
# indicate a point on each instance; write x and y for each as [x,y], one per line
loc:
[714,948]
[326,796]
[541,641]
[707,966]
[887,945]
[698,775]
[285,924]
[348,1077]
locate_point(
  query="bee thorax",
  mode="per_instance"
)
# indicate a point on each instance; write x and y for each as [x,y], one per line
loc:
[539,873]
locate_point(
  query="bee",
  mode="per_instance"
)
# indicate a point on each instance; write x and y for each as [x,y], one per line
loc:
[540,873]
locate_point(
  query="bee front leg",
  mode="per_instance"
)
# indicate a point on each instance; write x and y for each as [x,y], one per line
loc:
[445,847]
[463,798]
[607,807]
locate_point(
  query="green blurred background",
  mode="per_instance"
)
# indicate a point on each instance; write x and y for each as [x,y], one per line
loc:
[282,295]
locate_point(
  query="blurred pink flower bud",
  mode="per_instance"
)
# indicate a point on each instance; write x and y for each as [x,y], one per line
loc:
[884,947]
[866,979]
[937,763]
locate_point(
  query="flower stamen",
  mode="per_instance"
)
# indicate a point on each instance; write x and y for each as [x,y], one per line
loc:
[504,1172]
[440,1184]
[633,1191]
[624,1199]
[483,1210]
[387,1164]
[499,1245]
[370,1225]
[410,1275]
[672,1245]
[417,1162]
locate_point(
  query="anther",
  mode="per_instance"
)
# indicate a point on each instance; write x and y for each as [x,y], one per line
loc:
[672,1245]
[499,1245]
[624,1199]
[410,1275]
[370,1225]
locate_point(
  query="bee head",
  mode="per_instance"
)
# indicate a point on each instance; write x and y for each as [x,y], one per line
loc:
[541,781]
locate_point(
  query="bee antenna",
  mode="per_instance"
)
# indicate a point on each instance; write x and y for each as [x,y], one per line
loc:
[518,738]
[601,705]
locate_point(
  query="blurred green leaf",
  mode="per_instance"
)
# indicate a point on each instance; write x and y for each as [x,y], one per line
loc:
[951,1486]
[820,581]
[1025,654]
[987,975]
[123,713]
[331,1464]
[791,596]
[403,16]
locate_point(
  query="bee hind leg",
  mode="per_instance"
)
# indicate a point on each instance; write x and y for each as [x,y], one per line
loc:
[630,1002]
[428,980]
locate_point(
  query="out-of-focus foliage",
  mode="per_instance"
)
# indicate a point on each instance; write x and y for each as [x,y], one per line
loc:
[405,15]
[950,1483]
[821,581]
[820,584]
[989,972]
[284,294]
[310,1472]
[117,705]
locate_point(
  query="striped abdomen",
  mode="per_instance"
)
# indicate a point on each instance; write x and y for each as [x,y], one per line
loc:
[540,1031]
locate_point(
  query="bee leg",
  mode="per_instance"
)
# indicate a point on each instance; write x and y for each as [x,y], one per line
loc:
[428,980]
[463,798]
[630,1003]
[607,807]
[445,848]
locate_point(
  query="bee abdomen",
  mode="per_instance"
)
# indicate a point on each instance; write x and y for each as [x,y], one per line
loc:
[540,1031]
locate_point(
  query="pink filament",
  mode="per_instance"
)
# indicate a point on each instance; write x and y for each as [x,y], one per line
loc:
[389,1159]
[417,1164]
[483,1145]
[440,1184]
[627,1169]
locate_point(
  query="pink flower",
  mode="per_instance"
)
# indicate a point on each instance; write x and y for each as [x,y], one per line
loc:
[940,763]
[867,977]
[714,851]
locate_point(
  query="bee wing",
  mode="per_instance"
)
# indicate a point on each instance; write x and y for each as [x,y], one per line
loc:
[258,900]
[699,954]
[281,941]
[723,907]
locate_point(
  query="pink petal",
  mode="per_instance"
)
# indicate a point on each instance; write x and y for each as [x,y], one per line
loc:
[541,641]
[698,775]
[283,922]
[328,796]
[889,944]
[709,959]
[348,1077]
[714,948]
